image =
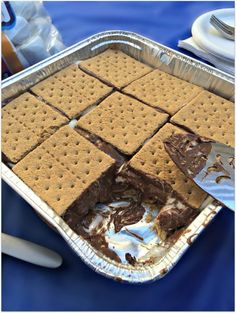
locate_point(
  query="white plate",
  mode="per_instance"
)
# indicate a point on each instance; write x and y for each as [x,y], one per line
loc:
[209,39]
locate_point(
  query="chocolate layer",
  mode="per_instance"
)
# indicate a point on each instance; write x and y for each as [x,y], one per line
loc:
[189,152]
[174,211]
[99,191]
[129,191]
[174,215]
[119,217]
[153,190]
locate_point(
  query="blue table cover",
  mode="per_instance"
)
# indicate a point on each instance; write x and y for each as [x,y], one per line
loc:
[204,277]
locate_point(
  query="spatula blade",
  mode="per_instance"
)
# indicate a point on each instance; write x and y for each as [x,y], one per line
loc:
[208,163]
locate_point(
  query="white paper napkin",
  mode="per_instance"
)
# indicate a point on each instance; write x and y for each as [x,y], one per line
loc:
[222,64]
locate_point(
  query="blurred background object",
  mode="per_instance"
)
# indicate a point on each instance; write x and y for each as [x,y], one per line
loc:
[28,35]
[209,44]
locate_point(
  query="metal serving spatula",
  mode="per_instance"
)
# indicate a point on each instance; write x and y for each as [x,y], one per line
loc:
[208,163]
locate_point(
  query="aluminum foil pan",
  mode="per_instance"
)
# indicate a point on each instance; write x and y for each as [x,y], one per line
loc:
[156,55]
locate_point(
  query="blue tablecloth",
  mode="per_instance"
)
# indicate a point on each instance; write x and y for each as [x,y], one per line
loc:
[204,277]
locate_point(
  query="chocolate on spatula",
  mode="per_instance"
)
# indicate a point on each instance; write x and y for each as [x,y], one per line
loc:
[208,163]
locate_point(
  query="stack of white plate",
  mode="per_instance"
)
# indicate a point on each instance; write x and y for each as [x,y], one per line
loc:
[208,43]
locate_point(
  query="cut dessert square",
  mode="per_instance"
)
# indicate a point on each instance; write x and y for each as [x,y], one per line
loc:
[164,91]
[115,67]
[210,116]
[173,216]
[26,122]
[67,172]
[152,170]
[153,161]
[123,122]
[71,90]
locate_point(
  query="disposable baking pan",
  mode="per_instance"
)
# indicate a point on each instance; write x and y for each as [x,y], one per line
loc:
[158,56]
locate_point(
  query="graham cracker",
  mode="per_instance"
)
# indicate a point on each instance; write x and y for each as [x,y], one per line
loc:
[62,168]
[115,67]
[164,91]
[26,122]
[209,115]
[71,90]
[153,161]
[123,122]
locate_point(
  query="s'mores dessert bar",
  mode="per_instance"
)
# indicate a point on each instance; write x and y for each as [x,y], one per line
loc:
[152,170]
[123,122]
[26,122]
[71,91]
[164,91]
[68,172]
[115,68]
[124,111]
[210,116]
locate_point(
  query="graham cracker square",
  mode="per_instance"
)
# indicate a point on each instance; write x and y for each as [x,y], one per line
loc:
[209,115]
[26,122]
[115,67]
[164,91]
[123,122]
[71,90]
[63,168]
[153,161]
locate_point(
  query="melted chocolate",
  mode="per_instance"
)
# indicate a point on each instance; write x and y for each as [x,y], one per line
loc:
[120,217]
[189,152]
[153,191]
[191,239]
[79,224]
[131,260]
[134,235]
[231,161]
[127,216]
[217,167]
[123,199]
[173,218]
[100,244]
[175,236]
[219,178]
[163,271]
[99,191]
